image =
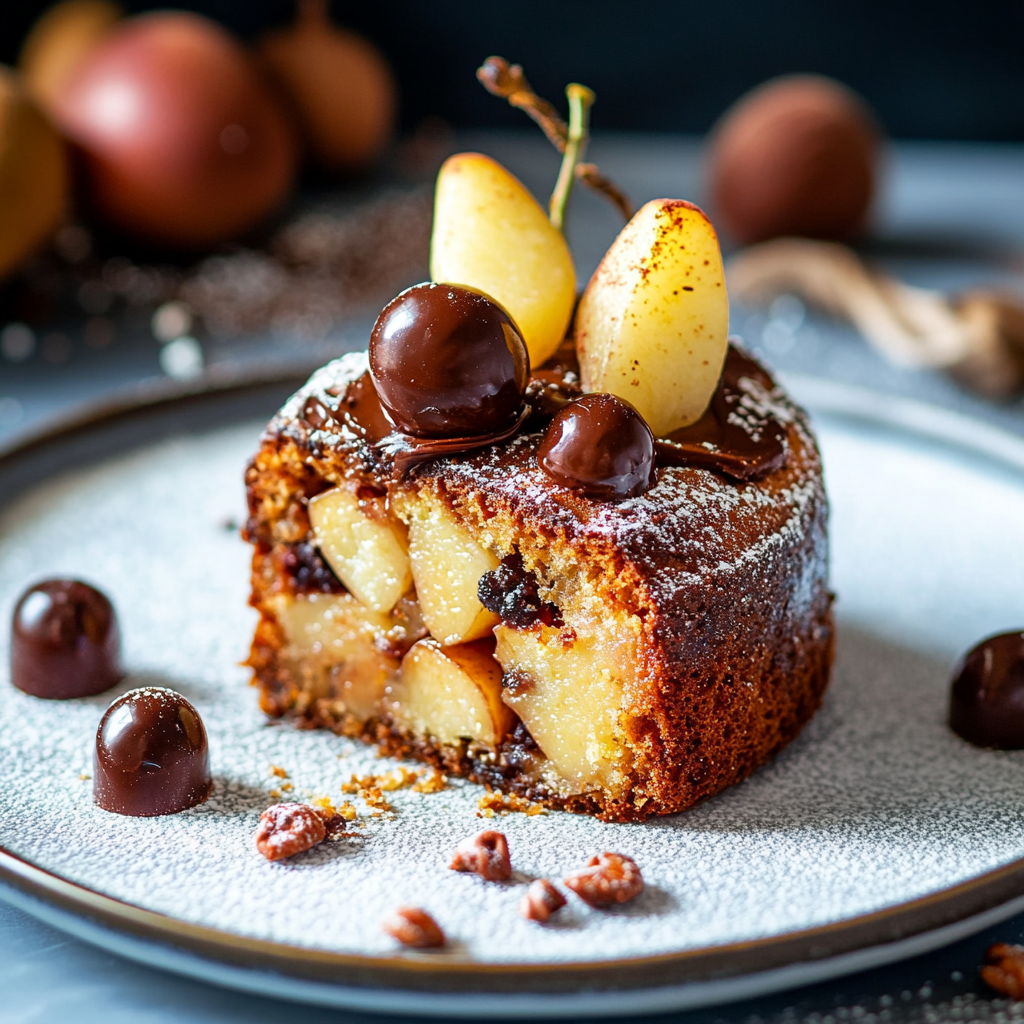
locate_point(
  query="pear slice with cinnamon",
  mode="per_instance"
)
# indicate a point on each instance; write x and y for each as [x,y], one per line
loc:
[653,325]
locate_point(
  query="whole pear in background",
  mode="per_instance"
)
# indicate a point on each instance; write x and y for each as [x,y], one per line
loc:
[59,41]
[796,156]
[34,179]
[181,142]
[338,85]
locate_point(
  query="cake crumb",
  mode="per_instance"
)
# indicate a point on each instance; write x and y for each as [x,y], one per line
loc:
[278,771]
[400,778]
[276,794]
[506,803]
[335,817]
[343,810]
[432,783]
[286,787]
[84,776]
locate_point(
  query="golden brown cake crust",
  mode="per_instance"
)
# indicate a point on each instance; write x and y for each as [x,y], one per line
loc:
[727,580]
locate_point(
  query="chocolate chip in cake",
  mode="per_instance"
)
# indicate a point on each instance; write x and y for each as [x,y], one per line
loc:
[511,592]
[151,755]
[65,641]
[309,573]
[599,445]
[486,854]
[448,361]
[986,704]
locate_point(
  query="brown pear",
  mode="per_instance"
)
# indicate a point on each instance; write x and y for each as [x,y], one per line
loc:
[59,40]
[34,179]
[338,84]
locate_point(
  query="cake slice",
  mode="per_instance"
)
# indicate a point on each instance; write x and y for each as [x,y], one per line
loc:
[621,658]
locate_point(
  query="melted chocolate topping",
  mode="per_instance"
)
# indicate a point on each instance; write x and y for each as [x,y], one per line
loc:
[986,704]
[738,435]
[405,451]
[151,755]
[360,410]
[64,641]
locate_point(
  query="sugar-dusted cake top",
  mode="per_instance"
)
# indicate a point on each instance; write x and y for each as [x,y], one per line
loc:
[695,519]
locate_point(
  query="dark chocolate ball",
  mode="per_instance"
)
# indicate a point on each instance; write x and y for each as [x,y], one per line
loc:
[986,705]
[64,641]
[151,755]
[797,156]
[448,361]
[600,445]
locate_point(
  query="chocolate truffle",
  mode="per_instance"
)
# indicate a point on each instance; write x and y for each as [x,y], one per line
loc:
[986,705]
[797,156]
[601,446]
[151,755]
[65,641]
[447,362]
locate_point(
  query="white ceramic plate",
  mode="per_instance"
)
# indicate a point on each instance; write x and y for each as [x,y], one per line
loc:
[877,834]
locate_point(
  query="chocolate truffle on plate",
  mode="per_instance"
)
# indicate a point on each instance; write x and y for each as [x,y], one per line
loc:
[796,156]
[65,641]
[986,705]
[151,755]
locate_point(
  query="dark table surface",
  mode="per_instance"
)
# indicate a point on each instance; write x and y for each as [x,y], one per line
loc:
[949,216]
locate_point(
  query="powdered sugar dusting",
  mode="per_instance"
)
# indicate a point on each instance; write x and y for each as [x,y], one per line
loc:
[876,802]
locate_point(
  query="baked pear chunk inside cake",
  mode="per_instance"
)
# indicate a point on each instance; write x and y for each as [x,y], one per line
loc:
[605,607]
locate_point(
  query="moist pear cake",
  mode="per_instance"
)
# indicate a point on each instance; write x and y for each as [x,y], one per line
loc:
[578,555]
[633,657]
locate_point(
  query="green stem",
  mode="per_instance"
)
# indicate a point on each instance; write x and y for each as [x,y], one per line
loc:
[580,101]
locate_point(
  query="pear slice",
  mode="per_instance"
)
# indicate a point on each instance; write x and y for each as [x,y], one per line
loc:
[334,651]
[570,697]
[653,325]
[492,235]
[447,563]
[451,693]
[363,545]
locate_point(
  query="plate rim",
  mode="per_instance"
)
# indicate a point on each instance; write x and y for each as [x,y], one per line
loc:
[405,973]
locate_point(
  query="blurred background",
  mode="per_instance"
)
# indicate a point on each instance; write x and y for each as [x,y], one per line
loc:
[238,190]
[942,70]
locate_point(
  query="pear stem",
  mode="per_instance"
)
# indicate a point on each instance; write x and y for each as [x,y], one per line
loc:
[581,99]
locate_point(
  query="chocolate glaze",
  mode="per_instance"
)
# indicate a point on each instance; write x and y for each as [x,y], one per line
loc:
[986,705]
[734,436]
[448,362]
[65,641]
[151,755]
[599,445]
[361,411]
[405,452]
